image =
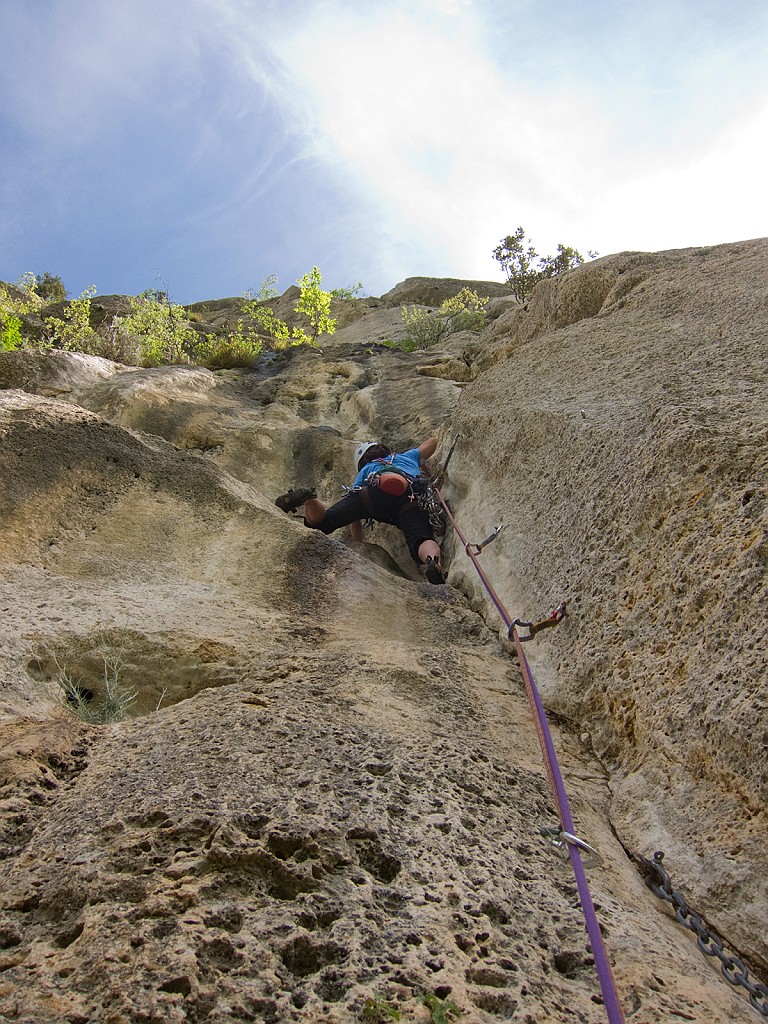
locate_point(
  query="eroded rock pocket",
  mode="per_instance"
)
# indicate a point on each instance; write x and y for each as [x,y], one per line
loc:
[119,674]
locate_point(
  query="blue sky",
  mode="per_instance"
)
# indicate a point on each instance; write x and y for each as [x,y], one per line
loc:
[205,144]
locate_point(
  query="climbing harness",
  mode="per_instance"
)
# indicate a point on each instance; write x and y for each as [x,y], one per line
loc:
[420,489]
[708,941]
[566,832]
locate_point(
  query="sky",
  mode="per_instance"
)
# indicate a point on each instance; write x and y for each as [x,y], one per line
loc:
[200,146]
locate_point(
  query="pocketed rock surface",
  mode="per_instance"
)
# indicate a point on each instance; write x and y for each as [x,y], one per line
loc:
[325,802]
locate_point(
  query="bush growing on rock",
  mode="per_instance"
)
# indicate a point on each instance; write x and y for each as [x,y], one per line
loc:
[15,302]
[315,304]
[50,287]
[464,311]
[163,331]
[10,333]
[156,331]
[72,330]
[261,330]
[239,348]
[518,257]
[111,705]
[349,294]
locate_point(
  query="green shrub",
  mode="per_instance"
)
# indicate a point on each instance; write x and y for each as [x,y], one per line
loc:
[264,330]
[423,328]
[72,330]
[161,331]
[265,326]
[10,333]
[50,287]
[14,305]
[267,290]
[354,291]
[516,255]
[379,1010]
[236,349]
[27,282]
[441,1011]
[156,331]
[315,304]
[464,311]
[113,341]
[567,258]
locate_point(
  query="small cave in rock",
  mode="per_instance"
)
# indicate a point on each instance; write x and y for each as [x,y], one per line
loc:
[118,674]
[77,694]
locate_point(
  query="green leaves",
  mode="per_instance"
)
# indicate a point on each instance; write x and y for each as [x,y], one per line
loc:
[464,311]
[50,287]
[516,255]
[442,1011]
[157,331]
[10,333]
[516,259]
[379,1010]
[164,332]
[315,304]
[72,330]
[349,294]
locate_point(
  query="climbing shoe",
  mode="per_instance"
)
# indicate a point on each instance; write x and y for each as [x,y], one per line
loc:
[296,496]
[434,572]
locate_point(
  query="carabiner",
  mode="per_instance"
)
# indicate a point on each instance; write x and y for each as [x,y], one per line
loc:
[484,544]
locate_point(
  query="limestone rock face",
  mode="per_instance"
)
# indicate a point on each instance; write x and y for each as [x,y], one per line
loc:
[627,446]
[431,291]
[325,800]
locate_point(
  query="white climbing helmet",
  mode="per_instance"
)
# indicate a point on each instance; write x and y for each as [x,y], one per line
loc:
[361,449]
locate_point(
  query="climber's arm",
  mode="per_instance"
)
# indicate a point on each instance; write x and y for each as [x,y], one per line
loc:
[427,448]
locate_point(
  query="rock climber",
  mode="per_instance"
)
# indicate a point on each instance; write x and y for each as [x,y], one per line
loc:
[382,491]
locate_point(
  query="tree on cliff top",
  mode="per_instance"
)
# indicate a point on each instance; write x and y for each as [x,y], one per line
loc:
[315,304]
[518,257]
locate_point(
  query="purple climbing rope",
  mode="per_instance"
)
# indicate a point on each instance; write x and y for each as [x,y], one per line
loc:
[602,964]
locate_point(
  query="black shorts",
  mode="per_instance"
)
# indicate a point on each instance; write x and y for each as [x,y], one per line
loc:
[400,511]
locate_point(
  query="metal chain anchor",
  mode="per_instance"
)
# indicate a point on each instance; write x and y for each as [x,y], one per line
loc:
[709,942]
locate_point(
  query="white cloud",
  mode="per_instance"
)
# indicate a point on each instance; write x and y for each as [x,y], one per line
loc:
[429,129]
[457,151]
[718,197]
[449,148]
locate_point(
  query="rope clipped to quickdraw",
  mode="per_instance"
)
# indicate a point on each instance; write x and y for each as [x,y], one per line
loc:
[566,832]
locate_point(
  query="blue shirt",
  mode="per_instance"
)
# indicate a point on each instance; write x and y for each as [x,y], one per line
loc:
[409,462]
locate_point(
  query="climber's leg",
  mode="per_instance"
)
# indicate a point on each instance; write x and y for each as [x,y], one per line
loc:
[314,512]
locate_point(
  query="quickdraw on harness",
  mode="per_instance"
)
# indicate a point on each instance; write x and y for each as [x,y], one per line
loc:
[565,833]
